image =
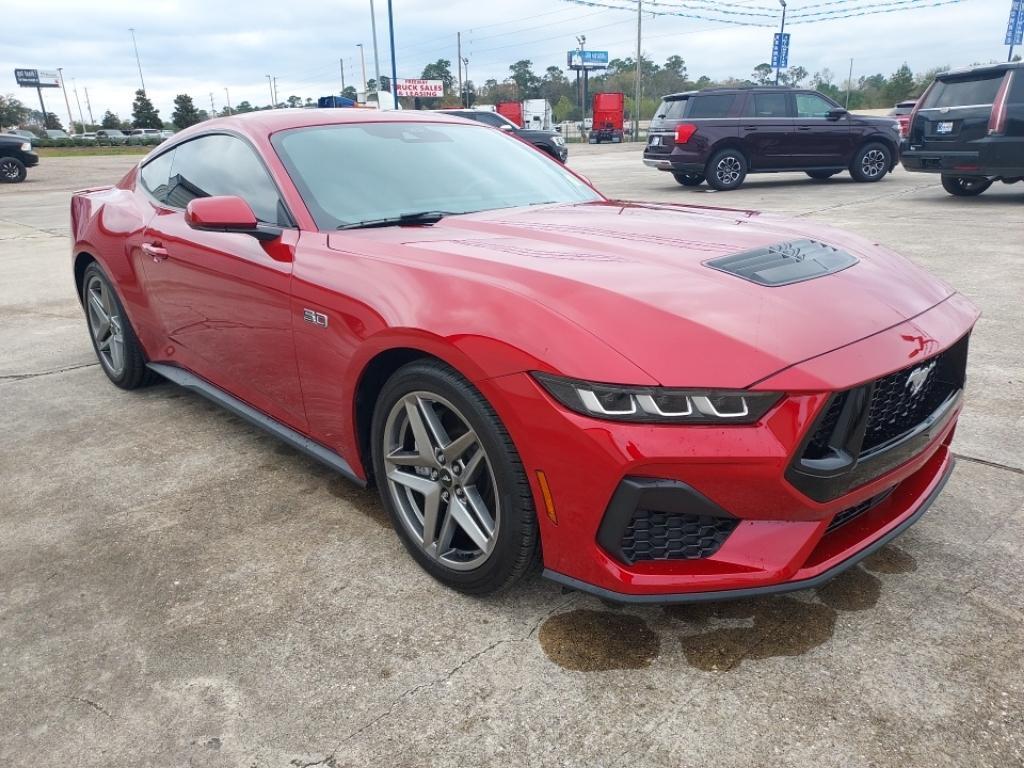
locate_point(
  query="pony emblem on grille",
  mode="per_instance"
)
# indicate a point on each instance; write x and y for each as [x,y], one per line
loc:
[918,377]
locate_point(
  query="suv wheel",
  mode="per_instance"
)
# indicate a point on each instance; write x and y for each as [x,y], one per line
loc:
[12,170]
[821,175]
[726,169]
[452,480]
[871,162]
[965,186]
[689,179]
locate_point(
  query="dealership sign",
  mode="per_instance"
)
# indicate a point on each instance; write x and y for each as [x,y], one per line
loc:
[425,89]
[37,78]
[587,59]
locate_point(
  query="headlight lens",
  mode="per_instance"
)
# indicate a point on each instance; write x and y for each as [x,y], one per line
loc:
[26,147]
[658,404]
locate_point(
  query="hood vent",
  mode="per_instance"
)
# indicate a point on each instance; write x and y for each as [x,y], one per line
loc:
[785,263]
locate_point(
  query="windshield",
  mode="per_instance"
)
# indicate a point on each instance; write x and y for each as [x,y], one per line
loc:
[370,171]
[979,90]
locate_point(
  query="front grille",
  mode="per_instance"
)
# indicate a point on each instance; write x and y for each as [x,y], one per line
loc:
[848,514]
[669,536]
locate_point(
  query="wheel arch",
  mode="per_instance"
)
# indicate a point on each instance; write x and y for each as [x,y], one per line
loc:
[879,138]
[82,261]
[729,142]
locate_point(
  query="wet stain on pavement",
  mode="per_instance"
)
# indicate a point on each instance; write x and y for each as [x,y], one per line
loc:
[890,560]
[592,641]
[779,626]
[365,500]
[853,590]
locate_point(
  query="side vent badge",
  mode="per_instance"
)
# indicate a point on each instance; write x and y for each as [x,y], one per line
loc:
[316,318]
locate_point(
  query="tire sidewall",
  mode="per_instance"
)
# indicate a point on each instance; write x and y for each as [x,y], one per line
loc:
[712,178]
[500,568]
[856,167]
[22,171]
[134,371]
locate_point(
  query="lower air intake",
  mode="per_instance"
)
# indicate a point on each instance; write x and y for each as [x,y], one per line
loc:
[670,536]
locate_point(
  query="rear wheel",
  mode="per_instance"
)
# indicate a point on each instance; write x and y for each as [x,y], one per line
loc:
[726,169]
[965,186]
[113,338]
[452,481]
[12,170]
[871,162]
[689,179]
[821,175]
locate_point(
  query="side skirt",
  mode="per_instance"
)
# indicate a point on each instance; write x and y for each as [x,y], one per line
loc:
[296,440]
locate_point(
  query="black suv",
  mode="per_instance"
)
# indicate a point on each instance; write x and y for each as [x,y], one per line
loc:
[549,141]
[15,156]
[969,127]
[722,134]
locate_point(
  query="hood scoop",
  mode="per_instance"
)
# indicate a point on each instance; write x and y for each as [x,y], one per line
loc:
[785,263]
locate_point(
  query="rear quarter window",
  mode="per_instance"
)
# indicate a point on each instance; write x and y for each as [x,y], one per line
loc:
[717,105]
[672,109]
[962,92]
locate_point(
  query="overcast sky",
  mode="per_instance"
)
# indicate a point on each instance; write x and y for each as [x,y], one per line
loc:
[202,46]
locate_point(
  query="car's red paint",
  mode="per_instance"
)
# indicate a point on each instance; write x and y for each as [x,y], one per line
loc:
[220,213]
[607,291]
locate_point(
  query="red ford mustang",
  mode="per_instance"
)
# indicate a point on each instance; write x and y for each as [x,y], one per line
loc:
[659,402]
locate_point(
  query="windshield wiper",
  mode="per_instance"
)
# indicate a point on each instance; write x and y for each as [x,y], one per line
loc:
[420,217]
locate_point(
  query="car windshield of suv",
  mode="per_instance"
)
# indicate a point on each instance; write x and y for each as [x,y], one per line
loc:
[977,90]
[364,172]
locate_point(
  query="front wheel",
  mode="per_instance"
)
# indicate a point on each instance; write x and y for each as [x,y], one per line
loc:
[726,170]
[871,162]
[965,186]
[452,480]
[689,179]
[12,170]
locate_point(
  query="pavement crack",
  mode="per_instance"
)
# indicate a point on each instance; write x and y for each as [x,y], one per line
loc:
[987,463]
[93,704]
[36,374]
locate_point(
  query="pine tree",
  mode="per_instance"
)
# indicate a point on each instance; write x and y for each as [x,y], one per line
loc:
[185,112]
[144,114]
[110,120]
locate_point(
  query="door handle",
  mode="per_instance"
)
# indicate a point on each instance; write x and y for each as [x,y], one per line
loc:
[803,128]
[154,251]
[749,127]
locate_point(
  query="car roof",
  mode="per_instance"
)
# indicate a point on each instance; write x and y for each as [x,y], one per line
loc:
[982,69]
[736,89]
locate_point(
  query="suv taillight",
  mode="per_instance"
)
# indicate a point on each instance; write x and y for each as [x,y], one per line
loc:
[917,107]
[684,131]
[997,120]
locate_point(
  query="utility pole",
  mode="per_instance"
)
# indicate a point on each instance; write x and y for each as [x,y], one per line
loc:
[394,61]
[341,63]
[458,58]
[275,93]
[227,98]
[71,118]
[636,99]
[782,31]
[138,62]
[466,62]
[213,107]
[376,59]
[270,87]
[362,59]
[78,101]
[849,84]
[88,107]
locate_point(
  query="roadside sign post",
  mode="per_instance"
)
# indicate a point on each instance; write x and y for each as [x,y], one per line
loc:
[1014,26]
[780,53]
[38,79]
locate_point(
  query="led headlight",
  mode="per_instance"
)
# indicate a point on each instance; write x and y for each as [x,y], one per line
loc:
[658,404]
[26,147]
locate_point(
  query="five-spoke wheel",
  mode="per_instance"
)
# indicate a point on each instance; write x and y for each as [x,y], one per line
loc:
[118,349]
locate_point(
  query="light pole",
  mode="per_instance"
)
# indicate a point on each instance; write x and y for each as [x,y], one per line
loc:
[465,62]
[227,98]
[270,87]
[71,119]
[394,61]
[636,100]
[376,60]
[88,107]
[138,62]
[78,101]
[362,59]
[341,63]
[782,31]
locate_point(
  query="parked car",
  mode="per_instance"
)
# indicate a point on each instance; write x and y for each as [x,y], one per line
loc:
[902,112]
[23,133]
[551,142]
[88,137]
[16,156]
[719,135]
[166,134]
[969,127]
[112,136]
[452,337]
[144,136]
[53,133]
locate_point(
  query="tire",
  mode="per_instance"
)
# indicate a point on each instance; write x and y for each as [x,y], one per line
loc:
[871,162]
[12,170]
[726,170]
[484,536]
[689,179]
[821,175]
[122,359]
[965,186]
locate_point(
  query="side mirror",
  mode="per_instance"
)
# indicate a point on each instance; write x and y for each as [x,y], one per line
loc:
[835,114]
[227,214]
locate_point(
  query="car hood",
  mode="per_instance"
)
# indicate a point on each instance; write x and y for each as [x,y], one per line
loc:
[635,276]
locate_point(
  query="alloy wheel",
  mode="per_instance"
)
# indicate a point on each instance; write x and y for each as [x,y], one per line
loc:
[873,163]
[728,170]
[9,170]
[105,325]
[441,481]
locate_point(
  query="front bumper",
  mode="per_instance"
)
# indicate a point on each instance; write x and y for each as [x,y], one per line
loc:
[783,538]
[29,159]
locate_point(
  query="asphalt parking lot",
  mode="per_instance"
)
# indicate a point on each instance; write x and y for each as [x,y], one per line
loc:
[177,588]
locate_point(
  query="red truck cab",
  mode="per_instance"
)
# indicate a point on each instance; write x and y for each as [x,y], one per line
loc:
[512,110]
[607,112]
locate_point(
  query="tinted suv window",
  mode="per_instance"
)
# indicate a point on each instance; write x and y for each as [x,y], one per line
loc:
[223,165]
[768,105]
[717,105]
[672,109]
[155,173]
[812,105]
[961,93]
